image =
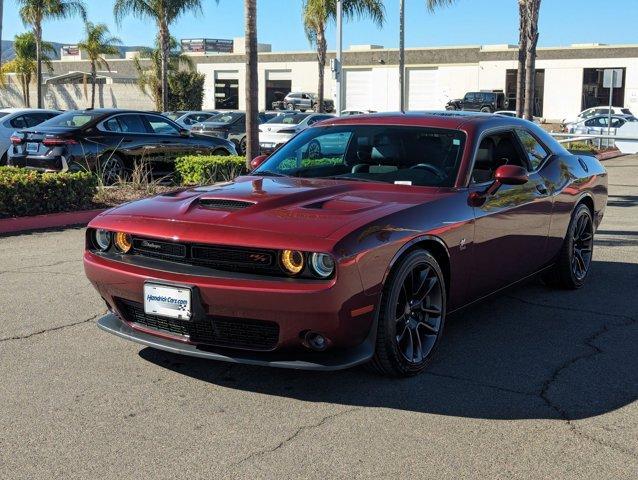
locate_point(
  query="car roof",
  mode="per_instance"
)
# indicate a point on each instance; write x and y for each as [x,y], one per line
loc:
[449,119]
[22,110]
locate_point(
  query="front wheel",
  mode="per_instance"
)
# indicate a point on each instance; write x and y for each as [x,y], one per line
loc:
[411,316]
[574,259]
[486,110]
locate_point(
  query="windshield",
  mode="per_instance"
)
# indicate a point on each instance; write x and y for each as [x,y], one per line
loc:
[72,119]
[288,118]
[225,117]
[392,154]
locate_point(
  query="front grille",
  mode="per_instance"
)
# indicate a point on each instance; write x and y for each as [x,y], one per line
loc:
[223,204]
[250,260]
[211,330]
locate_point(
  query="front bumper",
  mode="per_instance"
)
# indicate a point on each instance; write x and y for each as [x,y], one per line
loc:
[329,360]
[236,303]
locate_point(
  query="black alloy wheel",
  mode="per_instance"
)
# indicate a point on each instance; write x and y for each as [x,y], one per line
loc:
[112,169]
[411,317]
[582,246]
[314,150]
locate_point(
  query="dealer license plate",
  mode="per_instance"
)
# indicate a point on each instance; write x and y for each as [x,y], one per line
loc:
[167,301]
[33,147]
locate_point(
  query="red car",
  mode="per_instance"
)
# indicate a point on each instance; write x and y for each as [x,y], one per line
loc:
[351,243]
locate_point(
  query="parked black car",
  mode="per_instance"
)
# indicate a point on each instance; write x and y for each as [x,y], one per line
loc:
[488,102]
[229,126]
[108,141]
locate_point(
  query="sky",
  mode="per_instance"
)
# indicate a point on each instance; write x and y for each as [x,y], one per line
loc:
[467,22]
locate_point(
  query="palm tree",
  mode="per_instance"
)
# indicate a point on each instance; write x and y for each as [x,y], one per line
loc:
[522,50]
[316,16]
[24,63]
[149,76]
[252,123]
[97,44]
[34,12]
[532,11]
[163,13]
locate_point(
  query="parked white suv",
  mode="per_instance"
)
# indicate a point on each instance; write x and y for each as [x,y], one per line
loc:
[278,130]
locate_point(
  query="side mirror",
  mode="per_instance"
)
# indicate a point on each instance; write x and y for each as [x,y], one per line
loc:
[257,161]
[504,175]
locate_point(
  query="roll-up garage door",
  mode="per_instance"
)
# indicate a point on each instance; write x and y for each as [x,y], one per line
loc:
[423,91]
[358,89]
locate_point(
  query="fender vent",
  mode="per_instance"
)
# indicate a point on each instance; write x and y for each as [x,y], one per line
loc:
[223,204]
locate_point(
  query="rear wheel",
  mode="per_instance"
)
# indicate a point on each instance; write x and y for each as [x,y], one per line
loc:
[411,316]
[290,106]
[486,110]
[574,259]
[220,152]
[242,146]
[314,150]
[111,169]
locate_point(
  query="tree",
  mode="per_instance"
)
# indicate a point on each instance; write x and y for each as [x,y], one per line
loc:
[97,44]
[34,12]
[163,13]
[317,14]
[522,52]
[532,9]
[252,88]
[186,91]
[149,76]
[24,63]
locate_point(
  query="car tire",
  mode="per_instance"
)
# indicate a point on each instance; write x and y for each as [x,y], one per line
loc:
[411,316]
[486,110]
[242,146]
[314,150]
[575,257]
[290,106]
[221,152]
[111,169]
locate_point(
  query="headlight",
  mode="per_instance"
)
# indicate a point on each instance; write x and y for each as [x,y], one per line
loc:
[102,239]
[322,264]
[123,242]
[292,261]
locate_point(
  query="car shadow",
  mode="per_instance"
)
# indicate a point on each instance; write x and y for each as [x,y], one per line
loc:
[531,352]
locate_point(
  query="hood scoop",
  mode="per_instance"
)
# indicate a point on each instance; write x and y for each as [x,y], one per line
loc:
[223,204]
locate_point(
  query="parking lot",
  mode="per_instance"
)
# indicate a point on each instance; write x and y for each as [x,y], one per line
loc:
[532,384]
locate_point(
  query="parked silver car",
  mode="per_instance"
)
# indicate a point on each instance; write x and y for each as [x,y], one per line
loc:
[14,119]
[187,119]
[283,127]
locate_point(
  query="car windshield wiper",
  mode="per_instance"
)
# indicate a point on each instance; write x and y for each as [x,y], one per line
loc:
[353,179]
[269,173]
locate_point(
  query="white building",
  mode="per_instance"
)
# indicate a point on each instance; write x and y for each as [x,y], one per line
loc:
[569,79]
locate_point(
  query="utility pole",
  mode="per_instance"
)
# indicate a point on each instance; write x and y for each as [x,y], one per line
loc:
[337,71]
[402,54]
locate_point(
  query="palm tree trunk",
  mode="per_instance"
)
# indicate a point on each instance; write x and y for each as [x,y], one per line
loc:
[27,89]
[533,8]
[38,60]
[252,84]
[522,52]
[93,80]
[165,47]
[322,47]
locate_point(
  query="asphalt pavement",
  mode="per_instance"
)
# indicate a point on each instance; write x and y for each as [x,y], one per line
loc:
[535,383]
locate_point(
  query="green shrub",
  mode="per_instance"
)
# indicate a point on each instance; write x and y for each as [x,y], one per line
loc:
[201,170]
[26,192]
[578,146]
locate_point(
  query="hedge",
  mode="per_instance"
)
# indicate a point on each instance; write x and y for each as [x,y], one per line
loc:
[201,170]
[26,192]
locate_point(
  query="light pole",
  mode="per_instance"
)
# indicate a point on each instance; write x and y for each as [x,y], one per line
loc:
[337,64]
[402,54]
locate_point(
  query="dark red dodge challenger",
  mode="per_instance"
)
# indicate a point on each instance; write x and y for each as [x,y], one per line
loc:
[351,243]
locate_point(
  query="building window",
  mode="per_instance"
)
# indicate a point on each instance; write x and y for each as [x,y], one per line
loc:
[594,94]
[511,88]
[227,94]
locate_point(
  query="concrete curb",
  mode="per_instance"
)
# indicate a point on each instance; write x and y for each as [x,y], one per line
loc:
[52,220]
[609,155]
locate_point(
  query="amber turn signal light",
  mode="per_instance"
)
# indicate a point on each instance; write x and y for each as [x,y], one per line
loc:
[123,242]
[292,261]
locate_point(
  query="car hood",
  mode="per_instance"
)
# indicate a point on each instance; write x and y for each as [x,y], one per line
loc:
[265,211]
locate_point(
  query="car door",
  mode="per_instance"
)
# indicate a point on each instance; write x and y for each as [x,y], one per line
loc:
[468,102]
[167,142]
[511,225]
[125,135]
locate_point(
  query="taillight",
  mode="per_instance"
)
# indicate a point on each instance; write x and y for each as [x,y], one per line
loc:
[15,140]
[57,141]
